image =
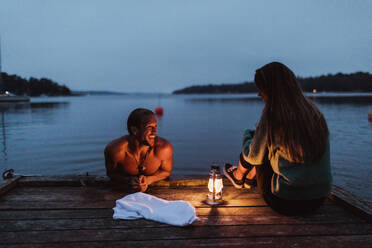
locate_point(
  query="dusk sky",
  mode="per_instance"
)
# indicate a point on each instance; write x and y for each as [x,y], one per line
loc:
[164,45]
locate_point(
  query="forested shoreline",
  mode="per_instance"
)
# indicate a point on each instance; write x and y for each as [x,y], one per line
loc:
[354,82]
[32,87]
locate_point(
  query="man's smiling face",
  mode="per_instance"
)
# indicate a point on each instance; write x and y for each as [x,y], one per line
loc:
[148,130]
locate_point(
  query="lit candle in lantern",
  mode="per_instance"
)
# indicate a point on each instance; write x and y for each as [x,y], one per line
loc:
[215,186]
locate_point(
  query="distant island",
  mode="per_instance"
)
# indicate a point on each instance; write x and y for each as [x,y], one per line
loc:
[32,87]
[354,82]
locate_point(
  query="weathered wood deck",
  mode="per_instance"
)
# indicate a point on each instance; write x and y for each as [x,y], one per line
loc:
[77,212]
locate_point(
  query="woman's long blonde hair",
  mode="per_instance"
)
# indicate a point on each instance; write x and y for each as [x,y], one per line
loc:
[291,120]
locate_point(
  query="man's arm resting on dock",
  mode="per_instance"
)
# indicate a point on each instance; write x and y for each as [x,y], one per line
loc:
[165,169]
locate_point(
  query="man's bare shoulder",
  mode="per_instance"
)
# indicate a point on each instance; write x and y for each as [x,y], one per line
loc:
[117,145]
[163,147]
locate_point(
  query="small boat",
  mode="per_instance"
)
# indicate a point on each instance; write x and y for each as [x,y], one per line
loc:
[370,115]
[9,97]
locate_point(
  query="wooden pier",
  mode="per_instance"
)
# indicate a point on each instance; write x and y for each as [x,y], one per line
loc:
[76,211]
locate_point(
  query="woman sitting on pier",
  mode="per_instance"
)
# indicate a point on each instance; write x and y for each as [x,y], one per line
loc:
[289,152]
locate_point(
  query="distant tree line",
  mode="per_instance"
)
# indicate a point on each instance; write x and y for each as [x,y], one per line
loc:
[245,87]
[354,82]
[32,87]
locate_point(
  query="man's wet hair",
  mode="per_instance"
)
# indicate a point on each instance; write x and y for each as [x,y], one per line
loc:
[136,118]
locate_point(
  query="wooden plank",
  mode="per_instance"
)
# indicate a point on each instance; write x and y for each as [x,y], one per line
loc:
[32,205]
[8,184]
[91,197]
[26,194]
[191,232]
[351,202]
[112,193]
[327,213]
[43,214]
[108,193]
[12,205]
[103,197]
[360,241]
[205,220]
[78,180]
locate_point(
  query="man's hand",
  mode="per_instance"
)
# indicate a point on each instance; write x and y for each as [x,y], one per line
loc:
[143,183]
[139,183]
[134,183]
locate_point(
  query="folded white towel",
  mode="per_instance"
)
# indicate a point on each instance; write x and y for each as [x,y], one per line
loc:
[141,205]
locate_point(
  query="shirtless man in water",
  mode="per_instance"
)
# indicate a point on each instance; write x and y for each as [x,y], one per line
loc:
[140,158]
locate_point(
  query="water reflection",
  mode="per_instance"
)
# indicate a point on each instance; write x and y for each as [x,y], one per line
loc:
[349,100]
[223,99]
[19,109]
[44,105]
[328,99]
[15,107]
[3,150]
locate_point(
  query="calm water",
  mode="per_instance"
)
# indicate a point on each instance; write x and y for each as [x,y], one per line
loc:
[67,135]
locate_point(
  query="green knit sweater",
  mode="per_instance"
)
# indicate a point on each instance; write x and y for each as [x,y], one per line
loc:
[292,181]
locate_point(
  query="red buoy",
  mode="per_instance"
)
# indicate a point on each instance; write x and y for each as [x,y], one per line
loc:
[159,111]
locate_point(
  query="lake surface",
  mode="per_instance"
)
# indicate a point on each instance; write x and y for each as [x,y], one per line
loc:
[67,135]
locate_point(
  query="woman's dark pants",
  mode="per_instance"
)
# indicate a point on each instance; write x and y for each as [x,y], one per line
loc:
[264,174]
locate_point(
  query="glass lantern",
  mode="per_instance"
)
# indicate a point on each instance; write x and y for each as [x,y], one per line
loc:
[215,185]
